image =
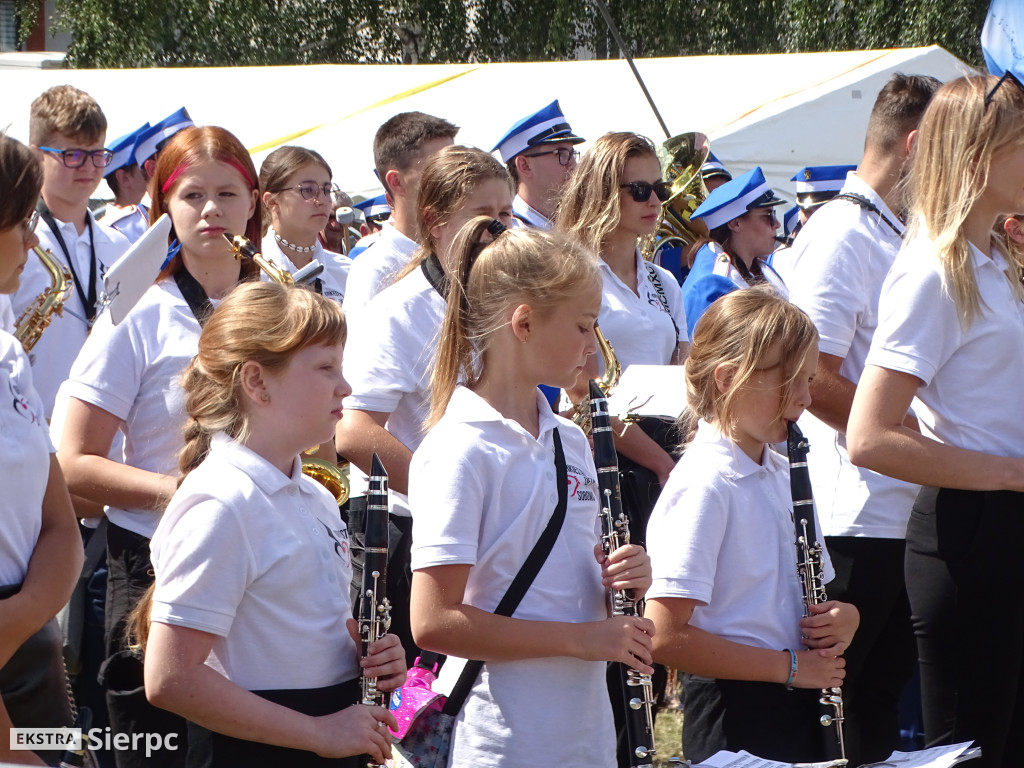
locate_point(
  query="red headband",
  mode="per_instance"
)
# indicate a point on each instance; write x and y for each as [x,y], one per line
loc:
[185,166]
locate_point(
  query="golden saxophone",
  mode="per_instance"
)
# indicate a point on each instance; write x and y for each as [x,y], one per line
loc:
[331,476]
[612,371]
[37,316]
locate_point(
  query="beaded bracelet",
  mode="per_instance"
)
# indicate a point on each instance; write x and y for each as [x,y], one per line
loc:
[792,669]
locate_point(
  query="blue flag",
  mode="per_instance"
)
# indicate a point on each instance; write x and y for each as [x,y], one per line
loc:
[1002,38]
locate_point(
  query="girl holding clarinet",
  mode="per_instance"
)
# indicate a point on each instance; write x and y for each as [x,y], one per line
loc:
[259,654]
[951,333]
[726,600]
[520,312]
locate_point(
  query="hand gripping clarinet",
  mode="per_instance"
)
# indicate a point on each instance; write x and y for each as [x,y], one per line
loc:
[808,564]
[636,687]
[374,607]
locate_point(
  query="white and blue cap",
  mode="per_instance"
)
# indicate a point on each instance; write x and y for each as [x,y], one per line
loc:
[714,167]
[790,221]
[736,197]
[150,141]
[124,150]
[546,126]
[374,208]
[817,184]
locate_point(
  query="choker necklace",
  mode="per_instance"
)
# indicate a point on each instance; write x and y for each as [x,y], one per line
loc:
[296,248]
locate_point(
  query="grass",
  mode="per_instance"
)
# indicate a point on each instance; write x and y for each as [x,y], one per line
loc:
[668,736]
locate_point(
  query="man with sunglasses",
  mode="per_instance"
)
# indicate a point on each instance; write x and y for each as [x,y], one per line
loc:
[740,215]
[67,130]
[539,152]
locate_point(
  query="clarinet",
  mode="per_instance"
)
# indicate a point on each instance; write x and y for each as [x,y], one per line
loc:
[808,563]
[636,686]
[374,606]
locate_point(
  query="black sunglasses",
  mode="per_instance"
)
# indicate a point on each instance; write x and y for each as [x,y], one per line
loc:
[1007,75]
[641,190]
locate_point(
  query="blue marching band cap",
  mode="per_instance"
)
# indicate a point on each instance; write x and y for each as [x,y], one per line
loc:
[150,140]
[546,126]
[1002,39]
[817,184]
[124,150]
[736,197]
[374,207]
[790,221]
[714,167]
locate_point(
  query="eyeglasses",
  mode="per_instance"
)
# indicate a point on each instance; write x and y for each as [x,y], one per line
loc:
[1007,75]
[770,216]
[641,190]
[313,191]
[564,155]
[75,158]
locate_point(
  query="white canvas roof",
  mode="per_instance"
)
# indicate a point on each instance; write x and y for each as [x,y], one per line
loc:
[780,111]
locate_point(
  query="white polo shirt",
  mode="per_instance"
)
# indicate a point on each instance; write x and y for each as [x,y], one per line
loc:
[375,270]
[133,371]
[7,318]
[25,450]
[132,221]
[838,264]
[636,324]
[722,534]
[262,561]
[336,266]
[389,365]
[482,490]
[525,215]
[57,348]
[970,375]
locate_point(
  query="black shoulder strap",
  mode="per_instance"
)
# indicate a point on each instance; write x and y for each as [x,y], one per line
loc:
[86,292]
[194,295]
[521,583]
[656,282]
[867,205]
[435,275]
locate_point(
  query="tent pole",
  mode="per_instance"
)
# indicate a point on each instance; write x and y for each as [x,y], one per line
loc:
[613,28]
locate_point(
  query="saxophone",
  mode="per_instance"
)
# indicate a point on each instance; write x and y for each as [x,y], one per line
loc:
[809,565]
[374,606]
[37,315]
[612,371]
[636,686]
[331,476]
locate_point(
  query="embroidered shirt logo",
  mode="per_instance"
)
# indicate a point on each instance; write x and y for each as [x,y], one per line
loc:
[20,403]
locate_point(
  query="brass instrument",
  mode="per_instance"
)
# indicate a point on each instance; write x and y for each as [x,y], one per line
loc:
[681,159]
[612,371]
[37,316]
[330,476]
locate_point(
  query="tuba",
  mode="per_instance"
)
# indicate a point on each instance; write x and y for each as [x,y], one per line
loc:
[331,476]
[37,316]
[681,159]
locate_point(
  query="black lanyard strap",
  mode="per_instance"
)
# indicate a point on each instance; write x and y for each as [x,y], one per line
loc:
[867,205]
[87,295]
[435,275]
[194,295]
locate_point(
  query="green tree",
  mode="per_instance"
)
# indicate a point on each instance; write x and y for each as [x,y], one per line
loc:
[141,33]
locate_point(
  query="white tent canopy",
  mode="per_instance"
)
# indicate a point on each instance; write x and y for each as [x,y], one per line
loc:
[780,111]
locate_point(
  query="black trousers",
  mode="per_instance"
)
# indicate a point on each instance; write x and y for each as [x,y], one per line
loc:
[214,750]
[966,589]
[762,718]
[130,573]
[399,575]
[880,660]
[33,685]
